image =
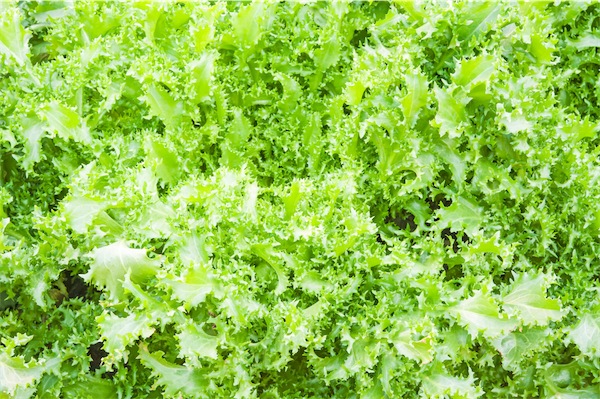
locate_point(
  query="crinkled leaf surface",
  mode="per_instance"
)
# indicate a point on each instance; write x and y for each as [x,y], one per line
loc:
[110,263]
[528,300]
[481,313]
[586,335]
[299,199]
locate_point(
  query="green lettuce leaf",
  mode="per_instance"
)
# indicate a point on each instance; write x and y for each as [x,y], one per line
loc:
[112,262]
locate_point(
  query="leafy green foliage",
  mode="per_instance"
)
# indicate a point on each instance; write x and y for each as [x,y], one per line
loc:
[299,199]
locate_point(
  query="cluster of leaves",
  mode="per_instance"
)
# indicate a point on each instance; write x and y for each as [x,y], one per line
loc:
[302,199]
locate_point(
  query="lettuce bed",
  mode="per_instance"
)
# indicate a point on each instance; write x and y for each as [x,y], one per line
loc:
[299,200]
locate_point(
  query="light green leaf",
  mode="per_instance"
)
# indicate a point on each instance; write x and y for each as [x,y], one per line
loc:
[515,346]
[163,105]
[463,214]
[236,138]
[446,151]
[4,222]
[354,92]
[240,130]
[6,136]
[110,264]
[516,122]
[174,378]
[81,211]
[527,300]
[587,393]
[13,38]
[33,132]
[312,282]
[292,199]
[363,355]
[201,71]
[120,332]
[480,313]
[193,250]
[477,19]
[193,287]
[421,350]
[291,91]
[563,380]
[90,387]
[194,343]
[451,117]
[542,48]
[586,335]
[473,71]
[328,54]
[491,244]
[15,373]
[65,122]
[155,220]
[442,385]
[416,98]
[391,157]
[579,129]
[587,40]
[249,23]
[166,163]
[274,259]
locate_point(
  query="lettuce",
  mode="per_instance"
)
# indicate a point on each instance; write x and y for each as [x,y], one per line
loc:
[303,199]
